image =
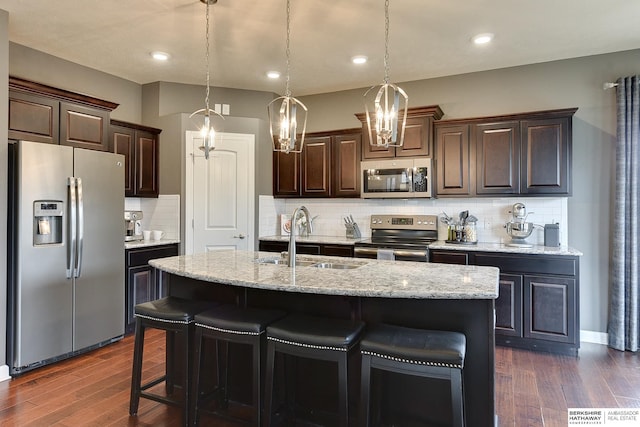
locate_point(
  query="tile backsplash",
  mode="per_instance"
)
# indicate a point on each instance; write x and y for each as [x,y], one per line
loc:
[162,213]
[492,214]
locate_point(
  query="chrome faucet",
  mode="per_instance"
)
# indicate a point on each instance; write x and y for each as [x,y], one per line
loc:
[292,235]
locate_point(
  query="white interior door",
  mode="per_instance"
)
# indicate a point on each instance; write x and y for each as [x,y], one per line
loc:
[220,194]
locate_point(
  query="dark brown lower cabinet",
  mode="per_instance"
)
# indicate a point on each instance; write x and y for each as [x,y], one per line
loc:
[142,282]
[538,303]
[329,249]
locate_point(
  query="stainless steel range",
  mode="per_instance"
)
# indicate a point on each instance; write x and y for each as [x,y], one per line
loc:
[400,237]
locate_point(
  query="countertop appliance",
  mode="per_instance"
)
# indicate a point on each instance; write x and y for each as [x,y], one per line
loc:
[132,226]
[396,178]
[518,228]
[399,237]
[65,257]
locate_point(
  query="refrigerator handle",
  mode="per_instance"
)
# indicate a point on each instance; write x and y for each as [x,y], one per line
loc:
[71,226]
[80,205]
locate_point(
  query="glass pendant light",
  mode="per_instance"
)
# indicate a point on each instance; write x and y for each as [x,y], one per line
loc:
[386,108]
[287,114]
[203,118]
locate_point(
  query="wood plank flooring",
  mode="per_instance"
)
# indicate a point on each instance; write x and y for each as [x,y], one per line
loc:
[532,389]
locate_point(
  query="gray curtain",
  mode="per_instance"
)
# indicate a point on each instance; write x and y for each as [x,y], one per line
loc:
[624,321]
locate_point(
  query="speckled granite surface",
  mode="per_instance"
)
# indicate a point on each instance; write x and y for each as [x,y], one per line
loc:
[500,247]
[337,240]
[136,244]
[373,278]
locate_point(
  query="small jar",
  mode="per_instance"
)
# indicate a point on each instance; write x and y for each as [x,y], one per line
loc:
[470,235]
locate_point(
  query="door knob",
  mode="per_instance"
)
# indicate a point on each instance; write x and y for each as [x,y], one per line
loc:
[240,236]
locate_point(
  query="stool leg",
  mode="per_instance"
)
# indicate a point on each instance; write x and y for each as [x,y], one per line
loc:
[365,390]
[457,397]
[343,390]
[136,375]
[187,378]
[169,361]
[255,390]
[268,398]
[195,391]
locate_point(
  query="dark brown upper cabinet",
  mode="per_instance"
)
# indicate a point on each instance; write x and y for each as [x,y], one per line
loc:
[417,135]
[46,114]
[329,166]
[140,147]
[518,154]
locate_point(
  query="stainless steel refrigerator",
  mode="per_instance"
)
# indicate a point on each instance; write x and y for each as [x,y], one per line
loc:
[66,252]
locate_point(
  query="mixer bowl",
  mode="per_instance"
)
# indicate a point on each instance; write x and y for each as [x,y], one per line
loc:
[519,230]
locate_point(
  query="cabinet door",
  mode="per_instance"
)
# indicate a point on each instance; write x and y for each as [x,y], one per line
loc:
[550,308]
[286,174]
[146,162]
[373,151]
[316,166]
[84,127]
[346,165]
[497,158]
[546,156]
[33,118]
[417,141]
[509,305]
[454,164]
[122,142]
[141,288]
[449,257]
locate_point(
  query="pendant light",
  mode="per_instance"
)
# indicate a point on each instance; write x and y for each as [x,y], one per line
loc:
[286,113]
[386,108]
[203,117]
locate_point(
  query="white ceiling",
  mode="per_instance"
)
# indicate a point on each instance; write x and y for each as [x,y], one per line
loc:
[428,38]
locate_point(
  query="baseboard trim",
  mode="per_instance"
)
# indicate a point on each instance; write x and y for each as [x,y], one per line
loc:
[594,337]
[4,373]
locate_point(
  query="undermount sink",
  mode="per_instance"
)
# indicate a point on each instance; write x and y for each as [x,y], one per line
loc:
[307,263]
[335,265]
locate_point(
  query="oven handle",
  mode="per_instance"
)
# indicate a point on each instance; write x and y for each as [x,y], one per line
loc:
[396,252]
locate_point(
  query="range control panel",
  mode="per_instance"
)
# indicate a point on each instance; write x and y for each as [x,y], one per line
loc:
[404,222]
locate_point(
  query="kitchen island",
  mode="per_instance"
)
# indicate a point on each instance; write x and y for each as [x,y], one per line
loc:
[421,295]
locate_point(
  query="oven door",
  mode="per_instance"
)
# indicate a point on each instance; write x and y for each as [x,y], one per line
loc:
[418,255]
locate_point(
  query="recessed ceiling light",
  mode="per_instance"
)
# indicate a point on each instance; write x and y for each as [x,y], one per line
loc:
[483,38]
[160,56]
[273,74]
[359,59]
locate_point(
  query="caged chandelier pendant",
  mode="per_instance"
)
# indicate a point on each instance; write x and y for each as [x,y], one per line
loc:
[386,108]
[203,117]
[287,114]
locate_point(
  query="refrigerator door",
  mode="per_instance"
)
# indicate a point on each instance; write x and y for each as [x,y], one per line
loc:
[41,292]
[99,289]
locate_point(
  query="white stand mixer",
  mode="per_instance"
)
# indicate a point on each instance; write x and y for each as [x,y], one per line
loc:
[518,228]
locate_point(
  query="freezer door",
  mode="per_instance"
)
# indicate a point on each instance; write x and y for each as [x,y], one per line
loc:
[41,292]
[99,289]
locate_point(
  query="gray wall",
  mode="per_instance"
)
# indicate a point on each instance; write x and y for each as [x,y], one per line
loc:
[559,84]
[4,114]
[40,67]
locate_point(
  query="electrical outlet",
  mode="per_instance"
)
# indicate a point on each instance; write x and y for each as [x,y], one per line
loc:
[216,108]
[225,109]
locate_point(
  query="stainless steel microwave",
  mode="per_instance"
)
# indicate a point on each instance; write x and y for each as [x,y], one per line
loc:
[396,178]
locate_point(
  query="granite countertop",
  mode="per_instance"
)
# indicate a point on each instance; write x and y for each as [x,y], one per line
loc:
[337,240]
[501,247]
[373,278]
[136,244]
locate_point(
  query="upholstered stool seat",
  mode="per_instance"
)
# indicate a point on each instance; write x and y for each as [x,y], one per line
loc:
[176,317]
[315,338]
[231,324]
[425,353]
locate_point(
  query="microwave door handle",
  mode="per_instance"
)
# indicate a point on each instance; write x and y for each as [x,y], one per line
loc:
[71,225]
[80,245]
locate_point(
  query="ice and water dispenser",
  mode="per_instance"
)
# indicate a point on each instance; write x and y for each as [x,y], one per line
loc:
[47,222]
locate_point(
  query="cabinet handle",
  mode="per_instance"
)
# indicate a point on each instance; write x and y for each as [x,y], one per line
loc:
[239,236]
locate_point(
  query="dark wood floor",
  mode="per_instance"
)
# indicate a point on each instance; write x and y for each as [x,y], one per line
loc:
[532,389]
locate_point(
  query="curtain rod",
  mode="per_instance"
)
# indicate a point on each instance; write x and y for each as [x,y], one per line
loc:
[609,85]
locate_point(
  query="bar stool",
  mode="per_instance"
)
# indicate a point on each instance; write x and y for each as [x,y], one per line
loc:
[432,354]
[175,316]
[231,324]
[315,338]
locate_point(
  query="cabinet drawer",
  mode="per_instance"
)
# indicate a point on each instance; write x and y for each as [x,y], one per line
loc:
[136,257]
[452,257]
[529,264]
